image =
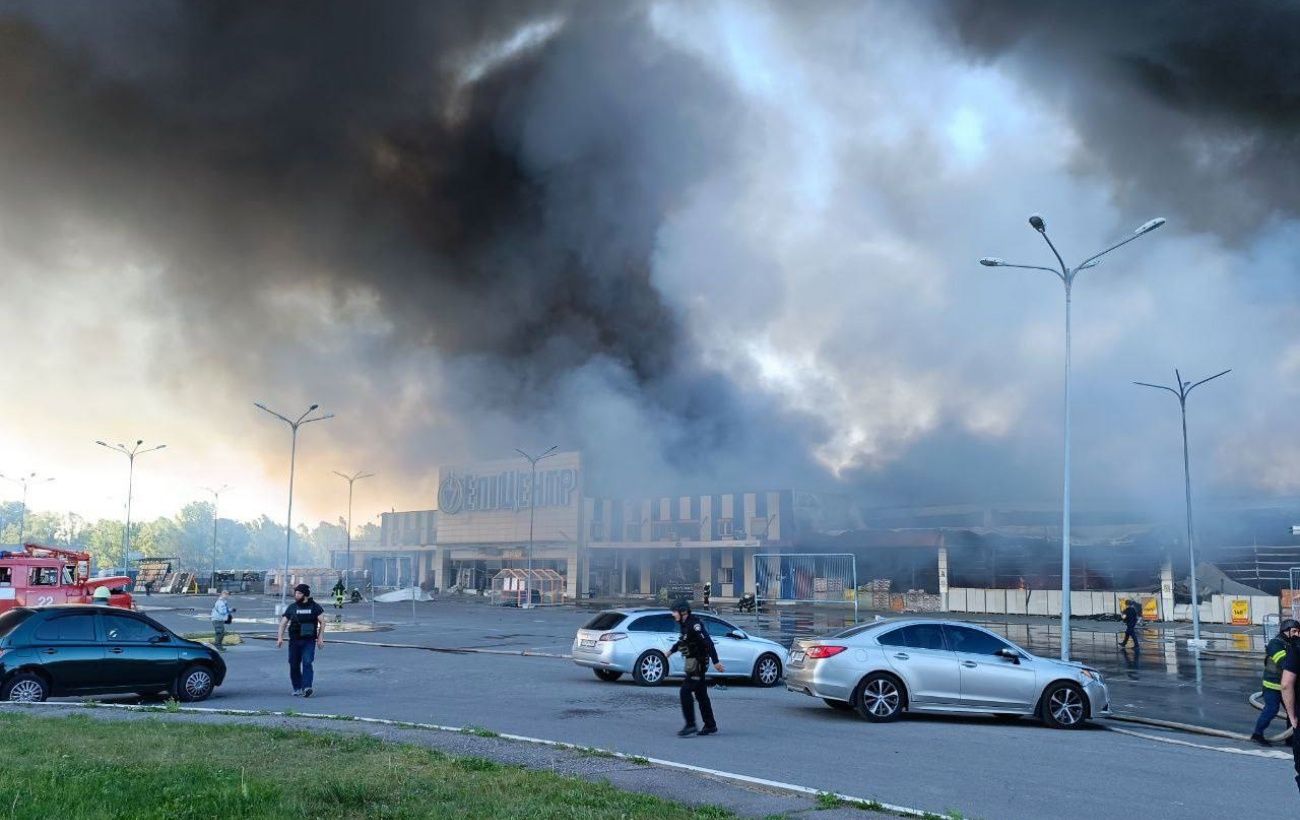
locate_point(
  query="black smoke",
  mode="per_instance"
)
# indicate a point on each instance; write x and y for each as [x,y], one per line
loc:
[1194,105]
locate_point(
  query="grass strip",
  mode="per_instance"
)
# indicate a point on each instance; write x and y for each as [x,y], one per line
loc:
[76,767]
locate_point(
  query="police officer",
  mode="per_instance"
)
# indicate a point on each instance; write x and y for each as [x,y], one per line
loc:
[697,650]
[1274,654]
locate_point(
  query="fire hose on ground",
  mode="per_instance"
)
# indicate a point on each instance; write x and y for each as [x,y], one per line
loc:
[1257,700]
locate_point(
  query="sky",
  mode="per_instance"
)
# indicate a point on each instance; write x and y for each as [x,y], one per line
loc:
[713,245]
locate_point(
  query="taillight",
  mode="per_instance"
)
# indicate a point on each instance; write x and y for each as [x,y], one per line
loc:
[825,651]
[613,636]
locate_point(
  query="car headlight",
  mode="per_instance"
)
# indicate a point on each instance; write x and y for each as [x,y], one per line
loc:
[1091,674]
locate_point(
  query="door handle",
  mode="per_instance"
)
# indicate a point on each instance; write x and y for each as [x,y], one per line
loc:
[50,651]
[116,650]
[969,664]
[902,656]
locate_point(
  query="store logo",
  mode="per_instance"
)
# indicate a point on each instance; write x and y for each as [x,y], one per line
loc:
[510,490]
[451,495]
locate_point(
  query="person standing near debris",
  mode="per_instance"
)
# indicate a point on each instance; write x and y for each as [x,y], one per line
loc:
[306,627]
[697,650]
[339,591]
[222,614]
[1131,615]
[1274,654]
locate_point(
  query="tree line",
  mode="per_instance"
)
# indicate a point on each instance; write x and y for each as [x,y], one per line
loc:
[185,537]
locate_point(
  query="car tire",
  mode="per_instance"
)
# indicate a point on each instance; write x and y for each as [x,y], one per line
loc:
[650,669]
[880,698]
[25,687]
[194,684]
[608,675]
[1064,706]
[767,671]
[838,705]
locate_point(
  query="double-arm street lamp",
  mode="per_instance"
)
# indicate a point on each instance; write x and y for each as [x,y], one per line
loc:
[351,479]
[294,424]
[216,502]
[532,505]
[130,454]
[24,481]
[1067,276]
[1183,390]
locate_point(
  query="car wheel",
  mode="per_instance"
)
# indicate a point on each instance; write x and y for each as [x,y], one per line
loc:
[25,687]
[767,671]
[650,669]
[840,705]
[194,684]
[880,698]
[1064,706]
[608,675]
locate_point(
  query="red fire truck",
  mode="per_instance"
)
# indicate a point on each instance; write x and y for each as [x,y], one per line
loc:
[43,576]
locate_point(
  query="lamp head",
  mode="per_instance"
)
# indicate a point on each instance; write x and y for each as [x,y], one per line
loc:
[313,407]
[1148,227]
[992,262]
[1037,223]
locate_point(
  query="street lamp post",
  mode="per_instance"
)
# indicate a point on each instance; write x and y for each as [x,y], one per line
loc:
[24,481]
[1185,389]
[216,501]
[130,454]
[532,505]
[1067,275]
[350,479]
[293,455]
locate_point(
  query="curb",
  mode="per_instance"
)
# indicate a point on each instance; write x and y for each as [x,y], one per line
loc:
[1193,729]
[775,785]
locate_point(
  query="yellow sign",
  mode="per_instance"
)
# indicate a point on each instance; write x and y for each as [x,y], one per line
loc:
[1241,642]
[1150,610]
[1241,613]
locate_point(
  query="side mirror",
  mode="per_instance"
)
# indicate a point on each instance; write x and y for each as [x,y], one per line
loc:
[159,639]
[1009,654]
[737,634]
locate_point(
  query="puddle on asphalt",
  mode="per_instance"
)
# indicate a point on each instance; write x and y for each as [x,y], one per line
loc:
[1162,654]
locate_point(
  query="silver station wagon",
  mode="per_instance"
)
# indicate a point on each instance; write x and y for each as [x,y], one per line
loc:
[636,642]
[885,668]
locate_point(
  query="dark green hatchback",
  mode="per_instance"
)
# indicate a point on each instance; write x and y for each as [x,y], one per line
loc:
[73,650]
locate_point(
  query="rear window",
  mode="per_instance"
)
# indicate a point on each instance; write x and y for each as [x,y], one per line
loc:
[854,631]
[605,620]
[654,623]
[12,619]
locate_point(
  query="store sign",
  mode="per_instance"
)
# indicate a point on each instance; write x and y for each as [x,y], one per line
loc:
[509,490]
[1241,612]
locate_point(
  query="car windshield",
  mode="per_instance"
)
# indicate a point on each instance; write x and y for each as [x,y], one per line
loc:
[605,620]
[12,619]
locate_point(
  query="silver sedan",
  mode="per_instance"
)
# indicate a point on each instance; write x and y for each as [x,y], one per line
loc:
[620,642]
[885,668]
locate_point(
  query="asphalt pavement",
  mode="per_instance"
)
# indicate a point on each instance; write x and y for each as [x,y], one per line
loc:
[974,766]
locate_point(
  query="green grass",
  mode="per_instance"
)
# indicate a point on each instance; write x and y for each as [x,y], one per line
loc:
[78,767]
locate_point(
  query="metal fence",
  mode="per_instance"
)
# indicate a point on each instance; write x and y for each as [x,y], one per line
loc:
[807,578]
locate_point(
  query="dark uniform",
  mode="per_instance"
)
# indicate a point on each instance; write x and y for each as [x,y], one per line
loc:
[1272,684]
[1131,613]
[1291,663]
[698,651]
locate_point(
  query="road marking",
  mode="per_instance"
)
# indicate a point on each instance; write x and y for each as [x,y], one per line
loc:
[1225,749]
[861,802]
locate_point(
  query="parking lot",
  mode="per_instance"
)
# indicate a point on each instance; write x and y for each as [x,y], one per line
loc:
[503,669]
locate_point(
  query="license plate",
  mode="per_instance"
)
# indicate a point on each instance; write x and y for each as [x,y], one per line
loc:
[796,657]
[585,642]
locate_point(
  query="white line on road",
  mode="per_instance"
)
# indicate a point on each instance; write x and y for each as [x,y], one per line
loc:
[1225,749]
[861,802]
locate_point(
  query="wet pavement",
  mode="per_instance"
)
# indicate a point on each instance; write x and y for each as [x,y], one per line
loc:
[1159,678]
